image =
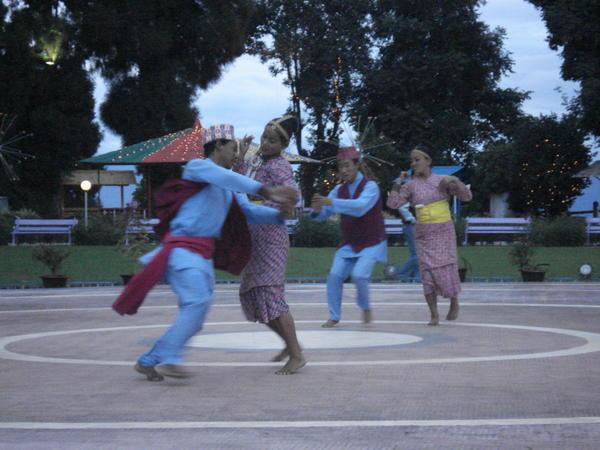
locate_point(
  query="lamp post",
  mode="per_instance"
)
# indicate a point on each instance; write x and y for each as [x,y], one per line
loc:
[85,185]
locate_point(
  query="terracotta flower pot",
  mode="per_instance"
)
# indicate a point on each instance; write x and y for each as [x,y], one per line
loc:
[126,278]
[533,275]
[54,281]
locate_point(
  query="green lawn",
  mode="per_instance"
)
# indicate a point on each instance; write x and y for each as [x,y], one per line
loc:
[91,264]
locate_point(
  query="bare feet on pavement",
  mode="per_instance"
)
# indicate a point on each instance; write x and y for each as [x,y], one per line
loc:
[453,312]
[435,320]
[149,371]
[292,366]
[173,370]
[367,316]
[330,323]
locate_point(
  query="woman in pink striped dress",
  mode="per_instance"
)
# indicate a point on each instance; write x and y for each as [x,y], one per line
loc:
[435,236]
[262,289]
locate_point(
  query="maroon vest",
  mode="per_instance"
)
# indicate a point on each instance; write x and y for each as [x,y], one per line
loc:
[365,231]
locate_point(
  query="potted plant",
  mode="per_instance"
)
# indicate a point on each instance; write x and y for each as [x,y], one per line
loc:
[521,255]
[132,250]
[52,257]
[463,268]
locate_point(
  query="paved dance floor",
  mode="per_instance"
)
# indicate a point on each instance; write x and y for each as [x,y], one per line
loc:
[519,369]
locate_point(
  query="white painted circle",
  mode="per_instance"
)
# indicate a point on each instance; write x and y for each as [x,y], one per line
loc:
[311,340]
[591,344]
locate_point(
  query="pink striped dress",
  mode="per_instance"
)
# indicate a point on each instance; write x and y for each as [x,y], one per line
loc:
[262,292]
[435,242]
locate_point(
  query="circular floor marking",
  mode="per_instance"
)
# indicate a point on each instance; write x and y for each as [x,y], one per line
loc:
[311,340]
[592,344]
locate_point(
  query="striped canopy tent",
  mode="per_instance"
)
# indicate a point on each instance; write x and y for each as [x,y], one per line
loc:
[173,148]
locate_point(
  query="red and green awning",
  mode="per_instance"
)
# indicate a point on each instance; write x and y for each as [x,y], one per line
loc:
[176,148]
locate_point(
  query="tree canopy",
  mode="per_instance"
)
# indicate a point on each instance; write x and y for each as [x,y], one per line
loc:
[45,87]
[574,29]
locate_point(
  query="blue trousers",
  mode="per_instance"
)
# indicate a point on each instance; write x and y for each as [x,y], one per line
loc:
[360,269]
[410,269]
[194,289]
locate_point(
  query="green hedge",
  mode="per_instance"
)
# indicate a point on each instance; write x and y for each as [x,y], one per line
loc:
[559,232]
[100,231]
[310,233]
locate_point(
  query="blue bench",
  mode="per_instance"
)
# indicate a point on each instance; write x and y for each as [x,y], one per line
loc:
[494,225]
[43,226]
[140,226]
[593,227]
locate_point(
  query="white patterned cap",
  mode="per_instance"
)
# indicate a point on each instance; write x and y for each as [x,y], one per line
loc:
[214,132]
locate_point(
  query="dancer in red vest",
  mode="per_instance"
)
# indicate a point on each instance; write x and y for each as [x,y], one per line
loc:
[358,200]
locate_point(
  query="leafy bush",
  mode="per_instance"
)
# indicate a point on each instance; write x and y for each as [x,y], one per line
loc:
[559,232]
[459,227]
[6,225]
[7,221]
[51,256]
[100,231]
[310,233]
[521,255]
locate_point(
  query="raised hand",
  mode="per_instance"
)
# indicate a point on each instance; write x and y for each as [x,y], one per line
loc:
[244,146]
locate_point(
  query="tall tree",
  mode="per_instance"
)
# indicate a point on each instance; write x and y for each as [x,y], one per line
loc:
[434,78]
[536,167]
[321,48]
[547,153]
[156,55]
[574,28]
[43,82]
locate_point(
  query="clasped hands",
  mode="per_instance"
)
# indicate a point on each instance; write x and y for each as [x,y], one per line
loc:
[318,201]
[286,196]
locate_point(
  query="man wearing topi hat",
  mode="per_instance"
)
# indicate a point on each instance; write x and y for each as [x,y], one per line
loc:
[203,225]
[357,199]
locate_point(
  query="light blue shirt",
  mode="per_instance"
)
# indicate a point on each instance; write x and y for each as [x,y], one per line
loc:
[203,214]
[356,208]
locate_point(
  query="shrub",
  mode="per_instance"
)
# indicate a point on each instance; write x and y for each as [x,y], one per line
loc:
[100,231]
[51,256]
[310,233]
[559,232]
[6,225]
[7,221]
[459,227]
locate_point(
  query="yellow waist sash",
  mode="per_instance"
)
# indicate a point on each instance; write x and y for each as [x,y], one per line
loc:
[436,212]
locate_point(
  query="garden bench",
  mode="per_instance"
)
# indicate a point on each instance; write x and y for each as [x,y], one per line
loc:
[140,226]
[43,226]
[393,227]
[494,225]
[593,227]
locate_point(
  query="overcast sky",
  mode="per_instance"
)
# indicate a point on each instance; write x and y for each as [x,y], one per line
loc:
[248,96]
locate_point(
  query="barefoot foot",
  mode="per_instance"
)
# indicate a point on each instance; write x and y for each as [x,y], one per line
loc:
[330,323]
[367,317]
[292,366]
[173,370]
[283,354]
[452,313]
[435,320]
[149,371]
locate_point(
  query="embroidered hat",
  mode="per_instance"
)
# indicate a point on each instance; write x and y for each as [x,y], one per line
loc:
[214,132]
[345,153]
